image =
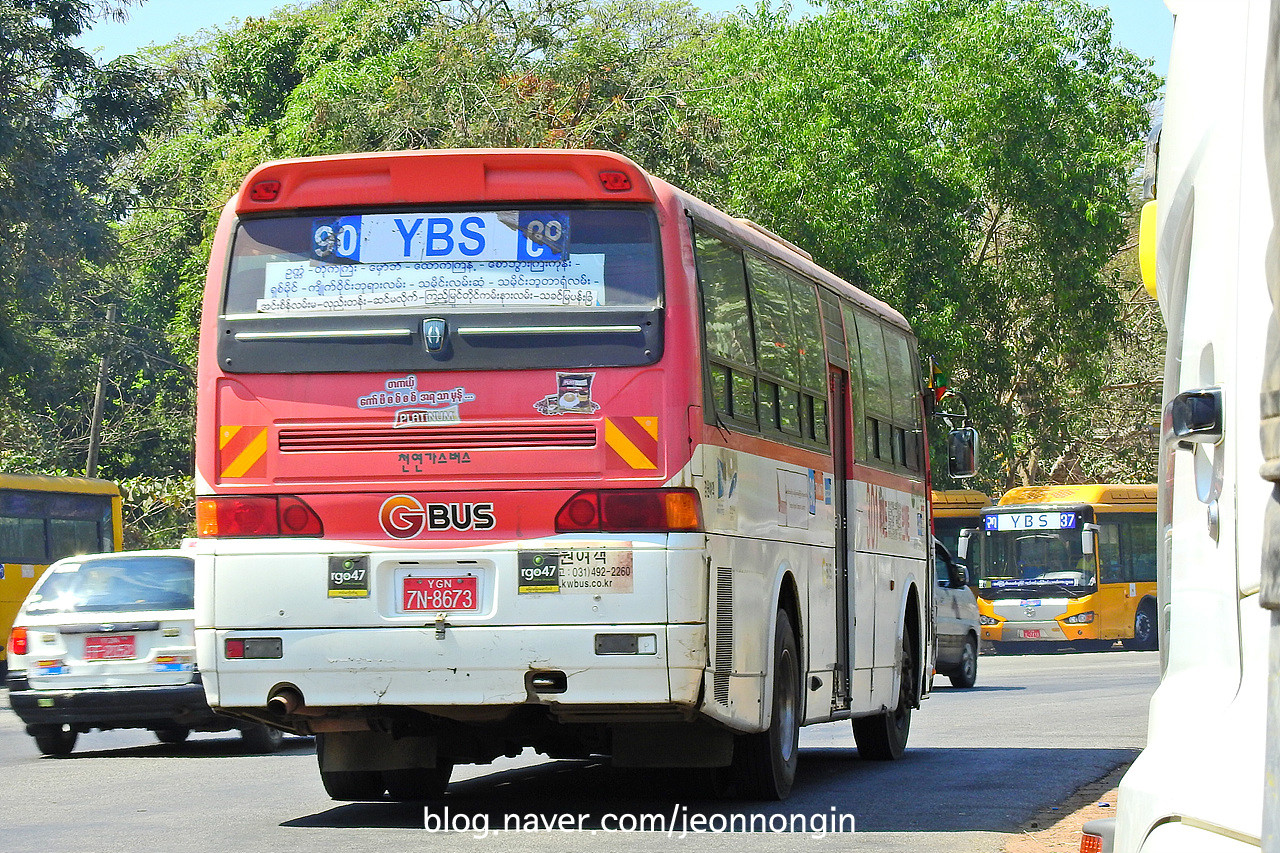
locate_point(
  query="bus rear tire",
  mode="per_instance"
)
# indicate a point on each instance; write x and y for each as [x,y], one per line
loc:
[769,758]
[416,784]
[172,734]
[1145,629]
[348,785]
[883,737]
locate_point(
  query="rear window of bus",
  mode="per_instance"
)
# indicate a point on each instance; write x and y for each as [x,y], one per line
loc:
[475,260]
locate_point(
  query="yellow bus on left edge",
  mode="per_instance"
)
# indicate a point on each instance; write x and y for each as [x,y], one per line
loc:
[43,519]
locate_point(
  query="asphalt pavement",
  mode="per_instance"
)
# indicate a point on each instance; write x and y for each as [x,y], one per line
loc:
[980,763]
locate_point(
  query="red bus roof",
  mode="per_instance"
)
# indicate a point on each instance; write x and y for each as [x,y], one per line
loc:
[447,176]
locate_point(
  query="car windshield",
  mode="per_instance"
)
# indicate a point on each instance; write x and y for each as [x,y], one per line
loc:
[1016,564]
[116,584]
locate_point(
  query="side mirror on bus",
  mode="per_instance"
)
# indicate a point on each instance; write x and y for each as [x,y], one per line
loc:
[1196,416]
[1088,537]
[962,453]
[962,546]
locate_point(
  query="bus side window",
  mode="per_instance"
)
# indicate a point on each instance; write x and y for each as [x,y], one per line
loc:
[1110,568]
[723,283]
[860,440]
[22,540]
[1138,538]
[813,361]
[875,375]
[777,342]
[72,536]
[905,388]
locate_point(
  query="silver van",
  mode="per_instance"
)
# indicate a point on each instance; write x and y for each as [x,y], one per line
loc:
[956,620]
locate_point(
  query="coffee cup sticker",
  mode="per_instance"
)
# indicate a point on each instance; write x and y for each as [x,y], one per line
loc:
[572,397]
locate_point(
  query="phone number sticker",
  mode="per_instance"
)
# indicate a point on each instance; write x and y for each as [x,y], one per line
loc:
[594,571]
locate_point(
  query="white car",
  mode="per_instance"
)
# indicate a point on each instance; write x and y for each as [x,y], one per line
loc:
[107,641]
[956,620]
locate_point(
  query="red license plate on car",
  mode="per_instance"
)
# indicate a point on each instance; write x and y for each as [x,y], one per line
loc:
[1033,634]
[439,594]
[113,647]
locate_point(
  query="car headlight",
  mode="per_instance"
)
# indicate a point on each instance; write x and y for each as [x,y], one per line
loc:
[984,619]
[1080,618]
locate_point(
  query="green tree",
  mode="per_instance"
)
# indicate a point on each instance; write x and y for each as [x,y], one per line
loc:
[65,122]
[969,162]
[364,75]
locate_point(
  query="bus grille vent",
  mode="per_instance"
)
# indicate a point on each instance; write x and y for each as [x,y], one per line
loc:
[356,438]
[724,636]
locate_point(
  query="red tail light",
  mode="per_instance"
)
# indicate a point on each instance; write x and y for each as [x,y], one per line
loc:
[18,641]
[631,511]
[231,517]
[265,191]
[615,182]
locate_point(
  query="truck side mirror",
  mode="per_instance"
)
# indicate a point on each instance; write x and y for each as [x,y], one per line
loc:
[1196,416]
[962,453]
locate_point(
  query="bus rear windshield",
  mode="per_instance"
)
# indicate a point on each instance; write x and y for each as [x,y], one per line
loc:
[442,290]
[517,259]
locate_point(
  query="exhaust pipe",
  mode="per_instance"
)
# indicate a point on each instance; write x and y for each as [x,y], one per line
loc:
[284,701]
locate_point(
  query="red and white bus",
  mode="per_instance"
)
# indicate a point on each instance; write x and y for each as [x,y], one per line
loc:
[528,448]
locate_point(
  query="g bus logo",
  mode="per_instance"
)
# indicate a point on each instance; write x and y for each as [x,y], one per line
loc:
[402,517]
[460,516]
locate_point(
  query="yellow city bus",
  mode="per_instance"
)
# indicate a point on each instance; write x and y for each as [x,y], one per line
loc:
[43,519]
[1058,564]
[955,510]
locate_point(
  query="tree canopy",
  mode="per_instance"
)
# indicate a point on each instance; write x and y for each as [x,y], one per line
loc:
[969,161]
[65,125]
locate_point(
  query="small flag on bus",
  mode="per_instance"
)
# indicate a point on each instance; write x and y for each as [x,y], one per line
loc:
[938,379]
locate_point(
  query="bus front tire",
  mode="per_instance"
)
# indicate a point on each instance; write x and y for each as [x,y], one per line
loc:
[1145,629]
[769,758]
[883,737]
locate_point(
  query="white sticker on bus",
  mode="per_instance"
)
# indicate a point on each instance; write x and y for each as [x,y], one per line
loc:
[794,498]
[306,286]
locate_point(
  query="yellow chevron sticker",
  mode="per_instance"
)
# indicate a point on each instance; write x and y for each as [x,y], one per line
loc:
[246,454]
[626,448]
[650,425]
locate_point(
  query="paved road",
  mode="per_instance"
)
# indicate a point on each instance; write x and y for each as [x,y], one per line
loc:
[980,762]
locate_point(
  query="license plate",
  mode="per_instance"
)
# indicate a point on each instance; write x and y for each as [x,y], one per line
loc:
[113,647]
[1033,634]
[440,594]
